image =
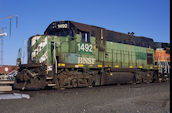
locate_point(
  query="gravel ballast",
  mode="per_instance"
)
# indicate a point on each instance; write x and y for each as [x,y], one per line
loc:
[139,98]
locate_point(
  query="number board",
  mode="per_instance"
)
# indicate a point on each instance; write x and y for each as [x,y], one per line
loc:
[62,26]
[84,47]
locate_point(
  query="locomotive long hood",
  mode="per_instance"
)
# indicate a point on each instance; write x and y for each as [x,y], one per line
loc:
[95,31]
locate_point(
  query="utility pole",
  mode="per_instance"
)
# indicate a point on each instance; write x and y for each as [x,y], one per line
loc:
[2,34]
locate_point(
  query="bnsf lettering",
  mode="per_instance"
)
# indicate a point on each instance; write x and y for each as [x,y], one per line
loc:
[82,60]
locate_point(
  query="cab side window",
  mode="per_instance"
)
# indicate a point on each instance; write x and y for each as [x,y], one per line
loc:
[149,58]
[85,37]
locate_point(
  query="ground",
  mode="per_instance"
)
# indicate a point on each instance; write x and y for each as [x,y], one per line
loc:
[139,98]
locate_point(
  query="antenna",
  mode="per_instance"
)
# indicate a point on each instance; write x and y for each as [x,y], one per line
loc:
[102,34]
[132,33]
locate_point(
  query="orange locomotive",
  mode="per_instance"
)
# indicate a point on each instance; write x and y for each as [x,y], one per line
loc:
[162,55]
[162,60]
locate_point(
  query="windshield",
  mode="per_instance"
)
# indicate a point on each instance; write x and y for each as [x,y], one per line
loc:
[61,32]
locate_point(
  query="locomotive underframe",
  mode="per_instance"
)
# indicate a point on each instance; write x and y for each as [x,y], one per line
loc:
[35,76]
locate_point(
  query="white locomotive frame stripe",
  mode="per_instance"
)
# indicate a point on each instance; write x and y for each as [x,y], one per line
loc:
[34,39]
[39,47]
[43,57]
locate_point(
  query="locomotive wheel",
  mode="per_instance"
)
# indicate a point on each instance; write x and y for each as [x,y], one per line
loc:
[74,83]
[82,82]
[164,77]
[138,77]
[91,82]
[147,78]
[63,80]
[73,79]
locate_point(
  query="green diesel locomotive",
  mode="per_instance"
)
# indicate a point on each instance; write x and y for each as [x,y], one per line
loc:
[71,54]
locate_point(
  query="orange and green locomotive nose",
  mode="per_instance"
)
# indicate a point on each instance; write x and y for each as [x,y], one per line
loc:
[162,55]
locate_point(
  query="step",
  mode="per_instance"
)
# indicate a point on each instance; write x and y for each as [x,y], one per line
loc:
[49,78]
[5,88]
[51,84]
[4,82]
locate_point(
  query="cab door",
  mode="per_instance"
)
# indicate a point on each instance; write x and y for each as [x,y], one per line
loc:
[54,55]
